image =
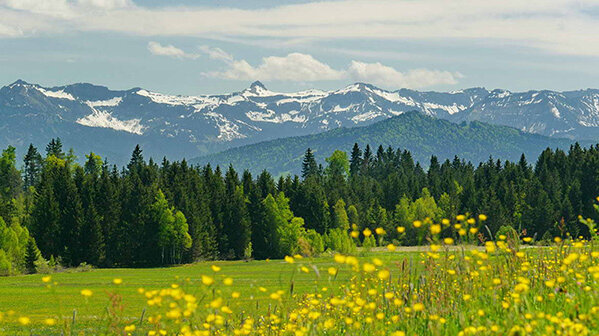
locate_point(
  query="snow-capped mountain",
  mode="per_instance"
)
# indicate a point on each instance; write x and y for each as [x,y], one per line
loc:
[89,117]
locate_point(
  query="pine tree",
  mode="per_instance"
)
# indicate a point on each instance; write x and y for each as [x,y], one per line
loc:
[366,160]
[93,248]
[71,216]
[10,183]
[309,165]
[236,221]
[355,160]
[108,205]
[32,254]
[32,167]
[54,148]
[137,159]
[265,184]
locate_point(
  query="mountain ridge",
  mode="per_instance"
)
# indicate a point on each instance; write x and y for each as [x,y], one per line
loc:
[422,135]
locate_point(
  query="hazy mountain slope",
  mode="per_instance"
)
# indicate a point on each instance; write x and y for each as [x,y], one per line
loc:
[422,135]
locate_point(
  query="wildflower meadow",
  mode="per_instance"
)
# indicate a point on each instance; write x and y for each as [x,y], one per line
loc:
[507,286]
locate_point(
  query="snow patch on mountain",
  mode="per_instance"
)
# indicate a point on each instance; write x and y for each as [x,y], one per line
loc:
[366,116]
[160,98]
[227,130]
[105,120]
[338,109]
[270,116]
[451,109]
[395,97]
[60,94]
[555,112]
[109,102]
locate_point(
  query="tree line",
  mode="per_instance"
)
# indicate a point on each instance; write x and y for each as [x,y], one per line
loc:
[150,214]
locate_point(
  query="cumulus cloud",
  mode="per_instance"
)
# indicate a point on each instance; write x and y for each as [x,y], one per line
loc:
[379,74]
[293,67]
[169,50]
[300,67]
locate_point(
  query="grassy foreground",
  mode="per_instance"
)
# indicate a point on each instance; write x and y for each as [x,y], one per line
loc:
[29,296]
[503,289]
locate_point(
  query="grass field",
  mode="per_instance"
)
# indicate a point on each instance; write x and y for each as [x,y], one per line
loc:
[499,289]
[28,295]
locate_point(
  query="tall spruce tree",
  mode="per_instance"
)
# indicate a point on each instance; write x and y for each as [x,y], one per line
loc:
[355,160]
[309,165]
[32,167]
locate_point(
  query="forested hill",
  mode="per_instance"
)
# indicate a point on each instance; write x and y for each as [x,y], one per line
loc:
[422,135]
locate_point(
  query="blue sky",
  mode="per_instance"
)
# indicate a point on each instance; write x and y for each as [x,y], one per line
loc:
[200,46]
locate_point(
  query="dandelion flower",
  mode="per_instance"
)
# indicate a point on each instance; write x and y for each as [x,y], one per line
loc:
[418,307]
[206,280]
[384,274]
[23,320]
[368,267]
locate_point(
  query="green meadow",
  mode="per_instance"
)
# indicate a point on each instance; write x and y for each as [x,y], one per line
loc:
[28,295]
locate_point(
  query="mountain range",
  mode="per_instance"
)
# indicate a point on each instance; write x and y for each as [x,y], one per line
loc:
[94,118]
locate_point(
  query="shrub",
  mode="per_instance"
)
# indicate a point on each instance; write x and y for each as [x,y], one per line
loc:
[338,240]
[5,265]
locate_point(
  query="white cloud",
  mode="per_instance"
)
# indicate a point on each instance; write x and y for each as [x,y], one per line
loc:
[300,67]
[557,26]
[169,50]
[52,8]
[217,53]
[293,67]
[106,4]
[379,74]
[6,31]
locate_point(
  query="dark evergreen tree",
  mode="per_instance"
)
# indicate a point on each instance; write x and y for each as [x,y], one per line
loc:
[54,148]
[32,255]
[309,165]
[32,167]
[355,161]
